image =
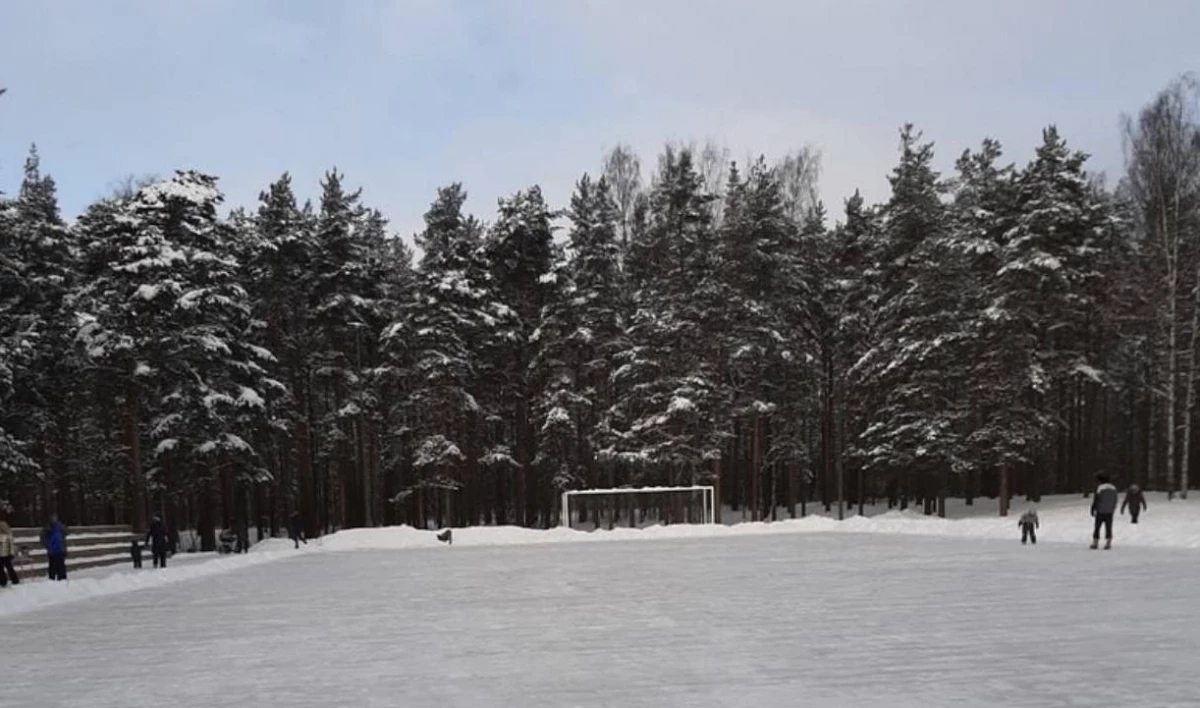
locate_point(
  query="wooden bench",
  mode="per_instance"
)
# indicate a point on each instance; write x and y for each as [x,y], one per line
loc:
[87,547]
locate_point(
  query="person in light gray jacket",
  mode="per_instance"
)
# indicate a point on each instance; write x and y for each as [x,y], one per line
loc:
[1104,505]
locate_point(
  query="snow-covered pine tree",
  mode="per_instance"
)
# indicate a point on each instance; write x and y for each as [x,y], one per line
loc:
[579,332]
[917,360]
[1047,274]
[521,253]
[36,271]
[1006,429]
[435,340]
[855,294]
[276,266]
[667,380]
[343,297]
[390,380]
[15,350]
[759,259]
[166,319]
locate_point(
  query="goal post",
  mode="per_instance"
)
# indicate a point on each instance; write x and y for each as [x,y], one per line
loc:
[638,506]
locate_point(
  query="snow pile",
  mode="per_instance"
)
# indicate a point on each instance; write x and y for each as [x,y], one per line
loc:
[404,537]
[1064,519]
[39,594]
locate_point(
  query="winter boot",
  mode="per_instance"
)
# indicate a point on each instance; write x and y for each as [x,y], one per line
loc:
[1108,544]
[1095,544]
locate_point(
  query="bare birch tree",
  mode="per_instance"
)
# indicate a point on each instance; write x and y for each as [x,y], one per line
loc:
[1162,153]
[623,172]
[800,173]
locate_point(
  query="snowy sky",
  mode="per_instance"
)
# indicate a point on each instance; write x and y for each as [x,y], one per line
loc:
[405,95]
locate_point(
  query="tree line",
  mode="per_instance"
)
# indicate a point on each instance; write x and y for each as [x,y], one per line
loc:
[1000,330]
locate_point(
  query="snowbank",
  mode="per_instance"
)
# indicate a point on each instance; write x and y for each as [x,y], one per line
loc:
[38,594]
[1064,519]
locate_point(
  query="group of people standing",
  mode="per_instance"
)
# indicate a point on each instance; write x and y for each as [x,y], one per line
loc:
[1104,508]
[54,540]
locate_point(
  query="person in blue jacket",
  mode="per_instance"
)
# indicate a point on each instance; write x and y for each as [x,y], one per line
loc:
[54,538]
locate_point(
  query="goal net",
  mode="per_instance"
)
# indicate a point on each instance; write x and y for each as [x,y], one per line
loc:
[588,509]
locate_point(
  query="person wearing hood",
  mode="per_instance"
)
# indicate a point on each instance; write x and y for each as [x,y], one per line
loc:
[159,542]
[1135,499]
[1104,505]
[54,538]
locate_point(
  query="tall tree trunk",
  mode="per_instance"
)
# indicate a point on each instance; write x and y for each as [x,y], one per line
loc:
[133,439]
[1004,489]
[756,469]
[836,423]
[1172,367]
[1190,397]
[716,485]
[1151,438]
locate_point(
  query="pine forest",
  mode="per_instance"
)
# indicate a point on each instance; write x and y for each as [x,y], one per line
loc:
[993,330]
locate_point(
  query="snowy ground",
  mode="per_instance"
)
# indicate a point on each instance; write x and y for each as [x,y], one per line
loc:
[739,619]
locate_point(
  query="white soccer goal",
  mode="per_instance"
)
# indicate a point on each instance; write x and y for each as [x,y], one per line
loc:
[638,506]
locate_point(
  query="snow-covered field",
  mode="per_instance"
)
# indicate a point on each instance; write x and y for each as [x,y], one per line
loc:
[902,611]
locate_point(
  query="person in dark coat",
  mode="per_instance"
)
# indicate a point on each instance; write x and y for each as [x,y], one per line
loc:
[1029,525]
[135,553]
[54,539]
[1135,499]
[297,529]
[159,542]
[1104,505]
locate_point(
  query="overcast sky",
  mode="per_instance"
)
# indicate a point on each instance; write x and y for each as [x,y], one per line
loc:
[406,95]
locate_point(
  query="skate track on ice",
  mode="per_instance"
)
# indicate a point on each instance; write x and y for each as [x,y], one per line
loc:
[771,620]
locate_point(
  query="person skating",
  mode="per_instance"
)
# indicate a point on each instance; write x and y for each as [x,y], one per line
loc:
[1029,525]
[54,539]
[1135,499]
[159,542]
[1104,505]
[8,550]
[297,529]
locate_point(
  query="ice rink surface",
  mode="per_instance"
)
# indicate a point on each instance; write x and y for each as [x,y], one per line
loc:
[809,620]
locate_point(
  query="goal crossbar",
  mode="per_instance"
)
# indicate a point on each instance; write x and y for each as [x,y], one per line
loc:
[707,491]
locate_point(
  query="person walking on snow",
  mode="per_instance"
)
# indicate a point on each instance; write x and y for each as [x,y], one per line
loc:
[54,538]
[8,549]
[297,529]
[158,541]
[1104,505]
[1135,499]
[1029,525]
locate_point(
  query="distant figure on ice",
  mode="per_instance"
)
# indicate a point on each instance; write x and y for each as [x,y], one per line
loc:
[135,553]
[1104,505]
[297,529]
[159,542]
[1135,499]
[1029,525]
[54,539]
[8,550]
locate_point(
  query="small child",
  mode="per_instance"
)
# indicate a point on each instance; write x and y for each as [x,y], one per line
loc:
[1029,525]
[135,552]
